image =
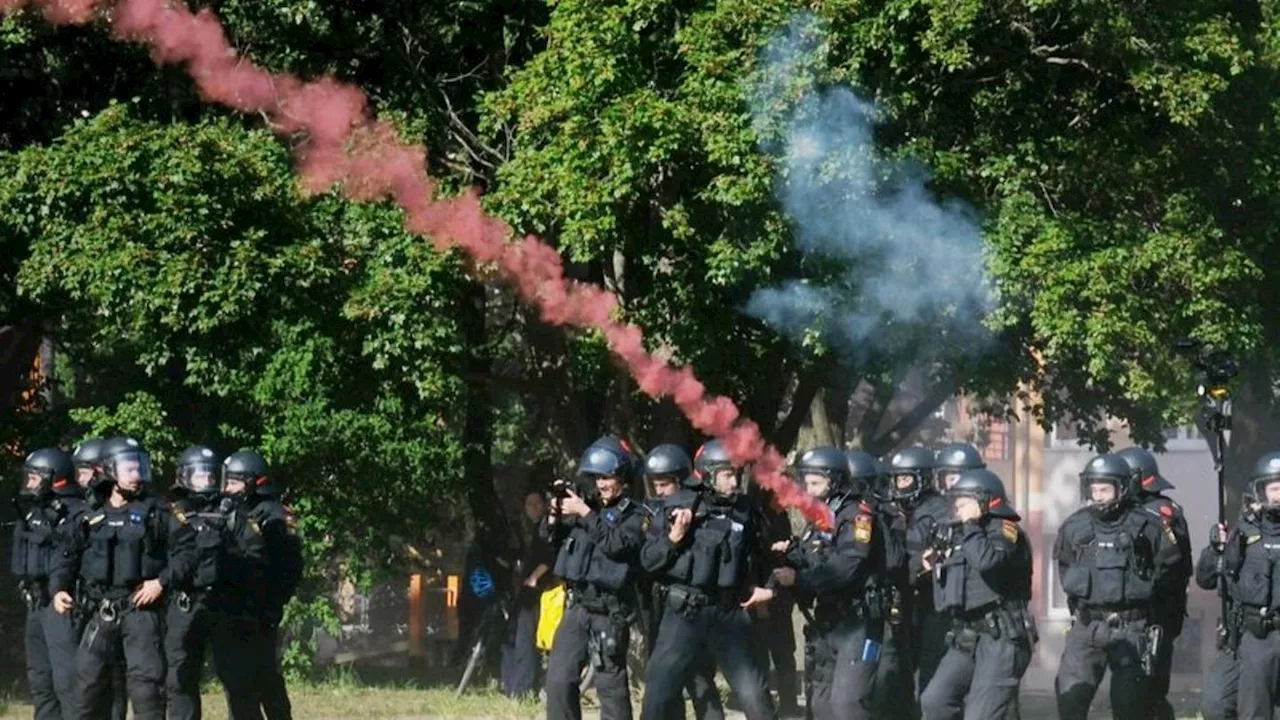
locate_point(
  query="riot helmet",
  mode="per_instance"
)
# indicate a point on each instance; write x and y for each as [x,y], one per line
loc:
[951,461]
[824,472]
[47,471]
[668,463]
[986,487]
[1146,471]
[711,461]
[865,472]
[197,471]
[251,469]
[1266,474]
[1106,470]
[607,457]
[87,459]
[910,472]
[127,465]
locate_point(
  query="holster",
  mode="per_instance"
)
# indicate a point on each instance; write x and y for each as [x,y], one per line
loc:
[1153,637]
[1259,626]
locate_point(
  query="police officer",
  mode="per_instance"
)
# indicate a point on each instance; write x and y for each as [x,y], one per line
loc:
[1170,608]
[710,560]
[1252,562]
[842,570]
[1220,689]
[953,460]
[87,458]
[46,498]
[597,543]
[188,626]
[983,583]
[669,470]
[262,535]
[126,554]
[1112,556]
[895,687]
[912,488]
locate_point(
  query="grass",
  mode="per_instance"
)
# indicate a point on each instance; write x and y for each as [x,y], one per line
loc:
[347,699]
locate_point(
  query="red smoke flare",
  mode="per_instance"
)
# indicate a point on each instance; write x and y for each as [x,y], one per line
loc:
[344,145]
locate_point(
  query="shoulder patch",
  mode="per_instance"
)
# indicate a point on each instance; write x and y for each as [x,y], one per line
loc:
[182,518]
[646,522]
[253,524]
[1166,511]
[864,507]
[862,529]
[1009,529]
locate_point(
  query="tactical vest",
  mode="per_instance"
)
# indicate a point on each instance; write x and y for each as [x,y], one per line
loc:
[1257,583]
[209,527]
[33,542]
[1117,567]
[122,546]
[578,560]
[958,586]
[715,558]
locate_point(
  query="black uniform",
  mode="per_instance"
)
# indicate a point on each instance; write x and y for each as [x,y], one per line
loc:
[895,693]
[1170,609]
[925,519]
[596,556]
[188,617]
[1110,569]
[119,690]
[50,638]
[704,580]
[1252,561]
[983,585]
[1219,694]
[112,552]
[842,571]
[701,686]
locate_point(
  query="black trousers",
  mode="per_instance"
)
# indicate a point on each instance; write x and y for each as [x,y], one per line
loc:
[1259,689]
[238,647]
[845,658]
[274,691]
[977,679]
[139,635]
[187,633]
[685,634]
[1093,647]
[50,645]
[579,630]
[520,660]
[895,690]
[1221,688]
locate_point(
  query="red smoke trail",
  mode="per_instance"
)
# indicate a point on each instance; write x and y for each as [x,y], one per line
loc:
[345,145]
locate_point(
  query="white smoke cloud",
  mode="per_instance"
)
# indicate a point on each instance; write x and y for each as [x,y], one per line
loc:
[902,258]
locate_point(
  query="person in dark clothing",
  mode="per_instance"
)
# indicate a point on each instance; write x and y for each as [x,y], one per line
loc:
[87,458]
[1220,689]
[124,555]
[776,632]
[520,659]
[48,501]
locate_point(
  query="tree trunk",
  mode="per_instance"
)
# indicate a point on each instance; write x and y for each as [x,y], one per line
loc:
[477,433]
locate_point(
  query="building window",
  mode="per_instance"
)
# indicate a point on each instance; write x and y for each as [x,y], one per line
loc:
[1062,436]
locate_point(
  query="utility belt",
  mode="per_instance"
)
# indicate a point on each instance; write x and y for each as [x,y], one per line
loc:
[1112,616]
[829,613]
[687,599]
[35,593]
[594,601]
[1260,625]
[1012,622]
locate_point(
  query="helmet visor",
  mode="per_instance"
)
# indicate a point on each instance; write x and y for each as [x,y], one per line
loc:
[35,482]
[200,477]
[130,468]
